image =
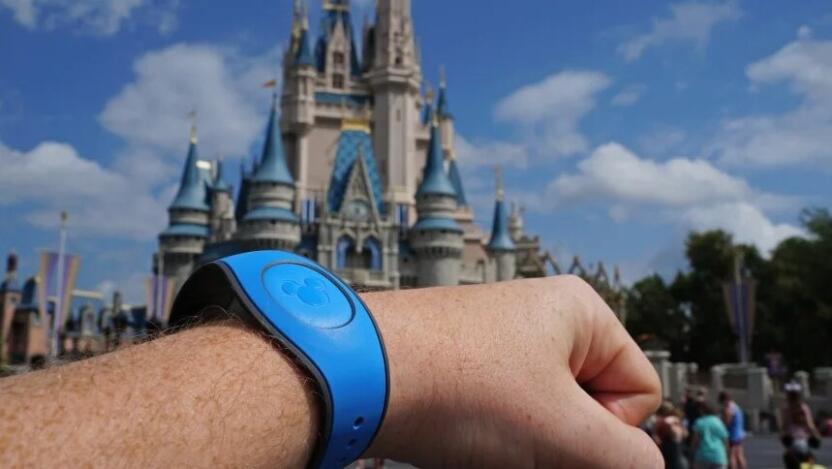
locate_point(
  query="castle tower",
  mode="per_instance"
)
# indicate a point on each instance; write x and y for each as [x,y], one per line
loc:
[270,221]
[184,239]
[446,119]
[395,79]
[298,98]
[222,207]
[436,238]
[9,299]
[500,246]
[336,53]
[515,222]
[26,338]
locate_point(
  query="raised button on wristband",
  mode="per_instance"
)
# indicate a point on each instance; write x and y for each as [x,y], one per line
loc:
[308,295]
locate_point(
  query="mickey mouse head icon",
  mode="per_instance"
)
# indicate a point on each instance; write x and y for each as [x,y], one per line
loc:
[312,291]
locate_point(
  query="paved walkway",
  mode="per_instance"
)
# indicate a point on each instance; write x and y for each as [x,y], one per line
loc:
[763,452]
[766,452]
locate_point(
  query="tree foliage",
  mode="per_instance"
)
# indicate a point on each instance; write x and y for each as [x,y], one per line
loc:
[794,299]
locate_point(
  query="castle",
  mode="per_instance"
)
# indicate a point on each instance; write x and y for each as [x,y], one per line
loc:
[357,172]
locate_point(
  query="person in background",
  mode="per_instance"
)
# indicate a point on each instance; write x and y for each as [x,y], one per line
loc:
[669,434]
[709,441]
[692,406]
[799,433]
[732,417]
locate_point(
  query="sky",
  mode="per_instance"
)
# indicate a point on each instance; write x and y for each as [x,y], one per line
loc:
[620,126]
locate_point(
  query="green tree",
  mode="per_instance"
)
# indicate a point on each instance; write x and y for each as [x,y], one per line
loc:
[655,318]
[798,297]
[793,299]
[711,258]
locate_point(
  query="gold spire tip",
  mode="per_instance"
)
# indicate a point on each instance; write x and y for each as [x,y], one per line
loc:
[193,135]
[499,174]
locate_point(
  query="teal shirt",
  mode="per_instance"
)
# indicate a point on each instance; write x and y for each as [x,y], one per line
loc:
[712,435]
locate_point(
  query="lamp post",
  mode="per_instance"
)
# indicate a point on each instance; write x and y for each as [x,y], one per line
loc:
[57,316]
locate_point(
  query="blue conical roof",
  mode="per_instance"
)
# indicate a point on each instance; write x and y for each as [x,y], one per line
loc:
[427,111]
[442,107]
[242,196]
[304,56]
[435,180]
[456,180]
[272,167]
[219,184]
[500,239]
[192,192]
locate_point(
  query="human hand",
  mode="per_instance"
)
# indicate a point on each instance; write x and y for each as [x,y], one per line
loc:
[529,373]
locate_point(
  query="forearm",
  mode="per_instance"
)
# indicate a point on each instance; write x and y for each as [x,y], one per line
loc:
[210,396]
[480,376]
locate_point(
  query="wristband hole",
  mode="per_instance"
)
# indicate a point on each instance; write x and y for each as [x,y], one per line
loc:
[351,443]
[358,422]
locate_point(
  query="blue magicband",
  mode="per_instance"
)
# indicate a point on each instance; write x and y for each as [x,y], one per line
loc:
[321,322]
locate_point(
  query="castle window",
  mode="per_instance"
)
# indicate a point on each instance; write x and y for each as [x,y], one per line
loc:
[308,213]
[372,254]
[338,81]
[344,251]
[338,59]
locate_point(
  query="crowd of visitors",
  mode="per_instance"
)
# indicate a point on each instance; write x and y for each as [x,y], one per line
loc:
[699,435]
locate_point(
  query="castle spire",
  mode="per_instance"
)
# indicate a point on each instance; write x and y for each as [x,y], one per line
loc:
[193,133]
[191,194]
[10,282]
[499,175]
[456,180]
[272,166]
[219,184]
[435,180]
[442,107]
[500,239]
[300,36]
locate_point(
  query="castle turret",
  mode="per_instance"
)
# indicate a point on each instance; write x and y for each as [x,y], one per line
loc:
[222,207]
[336,55]
[298,98]
[10,296]
[395,79]
[446,119]
[270,222]
[500,247]
[188,229]
[515,222]
[437,238]
[241,207]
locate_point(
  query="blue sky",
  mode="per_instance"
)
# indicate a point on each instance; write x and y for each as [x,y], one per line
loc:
[621,125]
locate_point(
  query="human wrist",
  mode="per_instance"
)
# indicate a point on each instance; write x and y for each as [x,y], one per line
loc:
[412,370]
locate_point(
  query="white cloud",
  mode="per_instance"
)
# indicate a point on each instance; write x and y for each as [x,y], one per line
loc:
[128,198]
[745,221]
[551,110]
[23,10]
[629,95]
[490,153]
[691,192]
[221,84]
[690,22]
[614,171]
[98,17]
[53,177]
[801,135]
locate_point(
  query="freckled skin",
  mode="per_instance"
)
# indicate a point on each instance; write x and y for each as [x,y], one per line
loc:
[531,373]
